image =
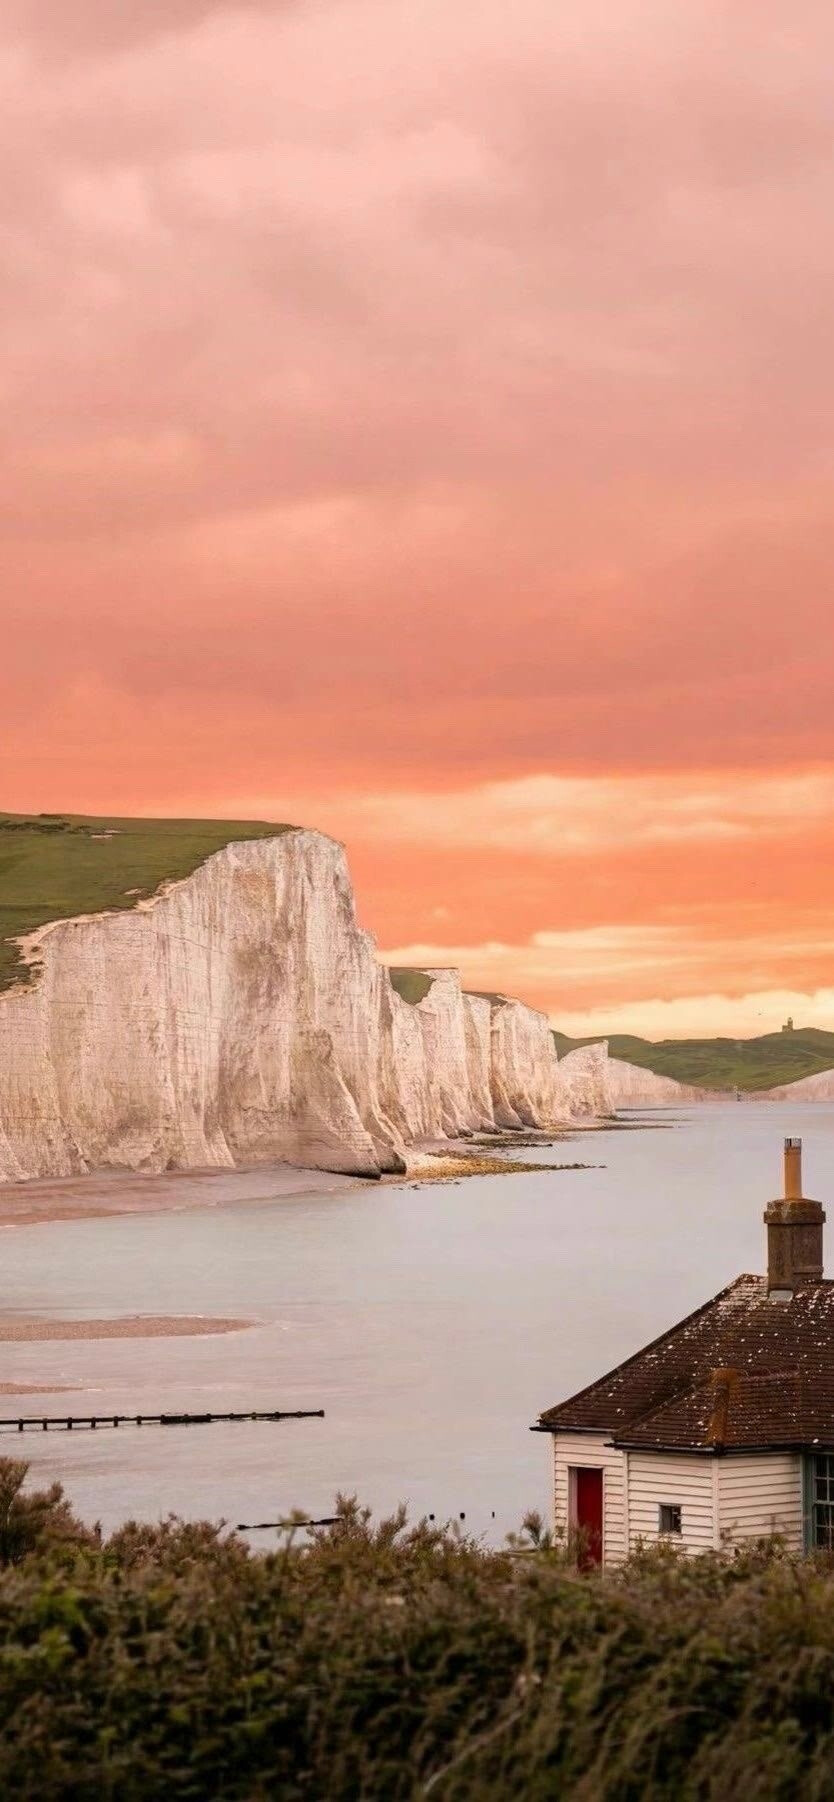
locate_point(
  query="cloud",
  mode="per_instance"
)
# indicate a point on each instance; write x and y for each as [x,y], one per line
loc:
[98,28]
[706,1015]
[547,815]
[616,973]
[426,424]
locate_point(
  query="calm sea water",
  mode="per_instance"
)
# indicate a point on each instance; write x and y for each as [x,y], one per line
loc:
[432,1326]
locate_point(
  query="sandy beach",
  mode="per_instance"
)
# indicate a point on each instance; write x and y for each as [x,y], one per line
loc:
[117,1192]
[138,1192]
[130,1326]
[38,1388]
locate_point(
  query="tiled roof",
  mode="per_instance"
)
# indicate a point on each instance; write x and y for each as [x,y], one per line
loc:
[776,1360]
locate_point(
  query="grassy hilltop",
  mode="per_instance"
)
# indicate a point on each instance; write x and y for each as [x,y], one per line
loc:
[412,985]
[776,1057]
[54,866]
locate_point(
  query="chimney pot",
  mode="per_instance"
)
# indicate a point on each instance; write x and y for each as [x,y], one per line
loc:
[793,1169]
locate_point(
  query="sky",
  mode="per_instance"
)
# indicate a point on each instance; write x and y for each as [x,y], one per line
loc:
[417,423]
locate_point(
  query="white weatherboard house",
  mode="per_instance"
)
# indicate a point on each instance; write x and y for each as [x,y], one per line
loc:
[722,1429]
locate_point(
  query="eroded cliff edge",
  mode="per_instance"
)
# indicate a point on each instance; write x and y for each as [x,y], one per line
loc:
[241,1016]
[633,1086]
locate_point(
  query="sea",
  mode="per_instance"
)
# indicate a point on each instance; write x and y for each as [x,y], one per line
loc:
[431,1323]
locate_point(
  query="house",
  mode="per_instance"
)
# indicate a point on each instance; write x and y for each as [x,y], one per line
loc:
[721,1430]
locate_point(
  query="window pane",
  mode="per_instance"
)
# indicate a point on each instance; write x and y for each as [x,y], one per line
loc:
[824,1478]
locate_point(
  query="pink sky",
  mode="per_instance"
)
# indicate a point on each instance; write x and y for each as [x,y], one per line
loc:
[417,423]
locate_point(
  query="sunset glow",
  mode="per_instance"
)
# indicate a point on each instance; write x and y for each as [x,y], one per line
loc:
[417,424]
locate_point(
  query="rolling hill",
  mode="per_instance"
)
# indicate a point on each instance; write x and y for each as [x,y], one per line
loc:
[748,1064]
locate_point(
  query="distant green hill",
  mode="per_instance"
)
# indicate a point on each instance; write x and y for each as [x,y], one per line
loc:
[54,866]
[776,1057]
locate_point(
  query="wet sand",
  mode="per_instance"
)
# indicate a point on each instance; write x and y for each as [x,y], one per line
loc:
[117,1192]
[137,1192]
[39,1388]
[130,1326]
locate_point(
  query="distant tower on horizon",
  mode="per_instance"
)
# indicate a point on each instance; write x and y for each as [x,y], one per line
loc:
[788,1026]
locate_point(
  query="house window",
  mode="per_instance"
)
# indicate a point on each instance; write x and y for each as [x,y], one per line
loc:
[669,1518]
[822,1501]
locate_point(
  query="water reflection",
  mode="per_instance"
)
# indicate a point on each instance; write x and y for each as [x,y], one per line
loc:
[432,1326]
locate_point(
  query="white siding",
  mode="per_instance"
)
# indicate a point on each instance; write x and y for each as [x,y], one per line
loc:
[655,1477]
[759,1495]
[571,1450]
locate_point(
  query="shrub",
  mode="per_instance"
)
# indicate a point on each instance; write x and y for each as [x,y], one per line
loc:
[394,1662]
[39,1522]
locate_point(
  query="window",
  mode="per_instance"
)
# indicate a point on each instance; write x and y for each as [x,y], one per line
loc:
[669,1518]
[822,1501]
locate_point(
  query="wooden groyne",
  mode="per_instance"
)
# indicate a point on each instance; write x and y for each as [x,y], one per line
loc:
[87,1423]
[264,1526]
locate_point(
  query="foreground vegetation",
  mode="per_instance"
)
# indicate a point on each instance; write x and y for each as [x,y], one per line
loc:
[400,1663]
[747,1064]
[54,866]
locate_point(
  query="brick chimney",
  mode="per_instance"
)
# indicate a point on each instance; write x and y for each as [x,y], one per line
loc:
[794,1231]
[724,1385]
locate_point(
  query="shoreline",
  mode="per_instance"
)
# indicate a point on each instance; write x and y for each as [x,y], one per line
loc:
[114,1194]
[104,1194]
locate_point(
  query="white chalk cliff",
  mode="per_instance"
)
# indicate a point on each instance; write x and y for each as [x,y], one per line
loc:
[819,1087]
[241,1016]
[629,1085]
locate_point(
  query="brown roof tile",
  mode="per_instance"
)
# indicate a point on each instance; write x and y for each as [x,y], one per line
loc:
[665,1396]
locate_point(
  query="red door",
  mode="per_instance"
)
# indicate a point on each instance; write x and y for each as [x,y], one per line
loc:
[589,1517]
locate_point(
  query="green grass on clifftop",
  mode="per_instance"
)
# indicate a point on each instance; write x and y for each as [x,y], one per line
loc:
[412,985]
[54,866]
[749,1064]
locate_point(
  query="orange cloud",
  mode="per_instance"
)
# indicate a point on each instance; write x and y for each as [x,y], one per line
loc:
[548,815]
[424,429]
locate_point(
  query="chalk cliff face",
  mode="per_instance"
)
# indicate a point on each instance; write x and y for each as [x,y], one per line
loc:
[628,1085]
[583,1073]
[819,1087]
[242,1016]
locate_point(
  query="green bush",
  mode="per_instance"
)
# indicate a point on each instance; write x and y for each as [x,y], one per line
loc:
[400,1662]
[39,1522]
